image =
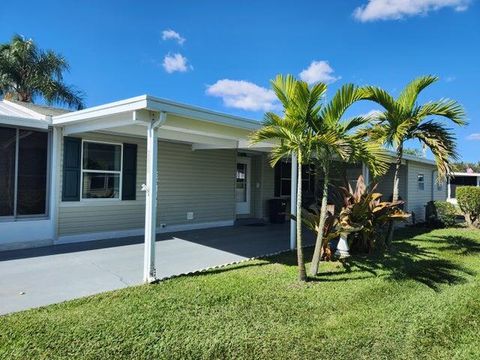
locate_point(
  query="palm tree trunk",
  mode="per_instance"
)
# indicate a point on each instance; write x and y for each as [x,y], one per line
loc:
[318,252]
[395,196]
[302,274]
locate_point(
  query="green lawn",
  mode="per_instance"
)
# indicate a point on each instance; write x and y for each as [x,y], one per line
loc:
[420,302]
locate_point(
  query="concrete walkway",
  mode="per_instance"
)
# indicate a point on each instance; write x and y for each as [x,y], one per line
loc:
[36,277]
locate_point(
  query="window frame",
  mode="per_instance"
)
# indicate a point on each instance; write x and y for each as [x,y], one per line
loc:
[120,172]
[311,184]
[421,182]
[46,214]
[284,177]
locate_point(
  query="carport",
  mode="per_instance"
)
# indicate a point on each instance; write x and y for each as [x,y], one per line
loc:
[152,118]
[41,276]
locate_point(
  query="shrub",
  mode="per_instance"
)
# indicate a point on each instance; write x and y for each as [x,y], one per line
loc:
[441,214]
[365,216]
[468,198]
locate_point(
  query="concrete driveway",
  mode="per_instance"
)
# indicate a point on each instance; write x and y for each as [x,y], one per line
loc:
[35,277]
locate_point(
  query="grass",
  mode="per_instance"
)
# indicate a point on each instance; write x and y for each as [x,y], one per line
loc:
[422,301]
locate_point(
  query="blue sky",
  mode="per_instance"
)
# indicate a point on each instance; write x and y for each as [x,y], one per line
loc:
[221,54]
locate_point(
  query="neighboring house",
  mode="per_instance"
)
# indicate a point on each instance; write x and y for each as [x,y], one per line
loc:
[79,176]
[459,179]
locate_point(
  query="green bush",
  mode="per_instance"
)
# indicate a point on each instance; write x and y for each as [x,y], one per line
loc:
[441,214]
[468,198]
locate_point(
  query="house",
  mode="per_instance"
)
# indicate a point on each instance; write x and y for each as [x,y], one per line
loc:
[458,179]
[88,174]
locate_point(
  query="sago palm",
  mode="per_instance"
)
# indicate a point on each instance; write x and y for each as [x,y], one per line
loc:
[404,119]
[336,139]
[27,72]
[293,135]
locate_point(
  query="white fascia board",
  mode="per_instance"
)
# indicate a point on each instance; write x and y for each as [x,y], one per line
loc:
[24,110]
[109,109]
[202,114]
[24,122]
[464,174]
[158,105]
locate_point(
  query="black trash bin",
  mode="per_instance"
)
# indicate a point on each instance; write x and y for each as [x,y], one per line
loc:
[276,210]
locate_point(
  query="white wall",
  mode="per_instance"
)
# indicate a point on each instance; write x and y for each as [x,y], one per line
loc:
[25,233]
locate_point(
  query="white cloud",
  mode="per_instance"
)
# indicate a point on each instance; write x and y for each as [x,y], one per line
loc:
[398,9]
[241,94]
[170,34]
[373,113]
[473,136]
[318,71]
[176,62]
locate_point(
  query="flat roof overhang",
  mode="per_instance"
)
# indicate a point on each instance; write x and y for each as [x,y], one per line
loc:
[202,128]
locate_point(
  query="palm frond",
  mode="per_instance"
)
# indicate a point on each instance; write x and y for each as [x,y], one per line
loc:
[284,88]
[372,154]
[409,94]
[345,97]
[355,122]
[441,141]
[27,72]
[381,97]
[446,108]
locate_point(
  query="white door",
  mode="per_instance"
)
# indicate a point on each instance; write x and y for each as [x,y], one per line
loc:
[242,186]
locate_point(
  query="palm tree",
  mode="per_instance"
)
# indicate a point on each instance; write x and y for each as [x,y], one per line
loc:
[336,139]
[404,119]
[27,72]
[293,134]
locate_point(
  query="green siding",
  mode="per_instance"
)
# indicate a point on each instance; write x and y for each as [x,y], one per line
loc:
[199,181]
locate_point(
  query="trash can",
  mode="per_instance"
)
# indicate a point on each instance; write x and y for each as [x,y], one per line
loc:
[276,210]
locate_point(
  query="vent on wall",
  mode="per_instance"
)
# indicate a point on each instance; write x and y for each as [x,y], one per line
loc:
[190,215]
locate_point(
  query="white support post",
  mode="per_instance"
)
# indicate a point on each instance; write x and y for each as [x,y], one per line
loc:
[366,174]
[293,202]
[54,178]
[149,271]
[449,190]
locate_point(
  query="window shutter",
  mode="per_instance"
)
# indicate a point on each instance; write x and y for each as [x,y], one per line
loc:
[129,176]
[278,174]
[72,150]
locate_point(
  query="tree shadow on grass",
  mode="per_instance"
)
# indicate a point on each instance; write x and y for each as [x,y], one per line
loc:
[408,261]
[458,244]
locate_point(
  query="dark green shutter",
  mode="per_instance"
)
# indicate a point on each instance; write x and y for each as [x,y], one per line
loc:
[278,174]
[72,150]
[129,178]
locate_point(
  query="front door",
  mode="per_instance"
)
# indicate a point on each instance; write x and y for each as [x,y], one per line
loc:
[242,186]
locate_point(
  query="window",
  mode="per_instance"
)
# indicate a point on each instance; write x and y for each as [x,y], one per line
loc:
[101,170]
[421,181]
[241,183]
[23,172]
[283,179]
